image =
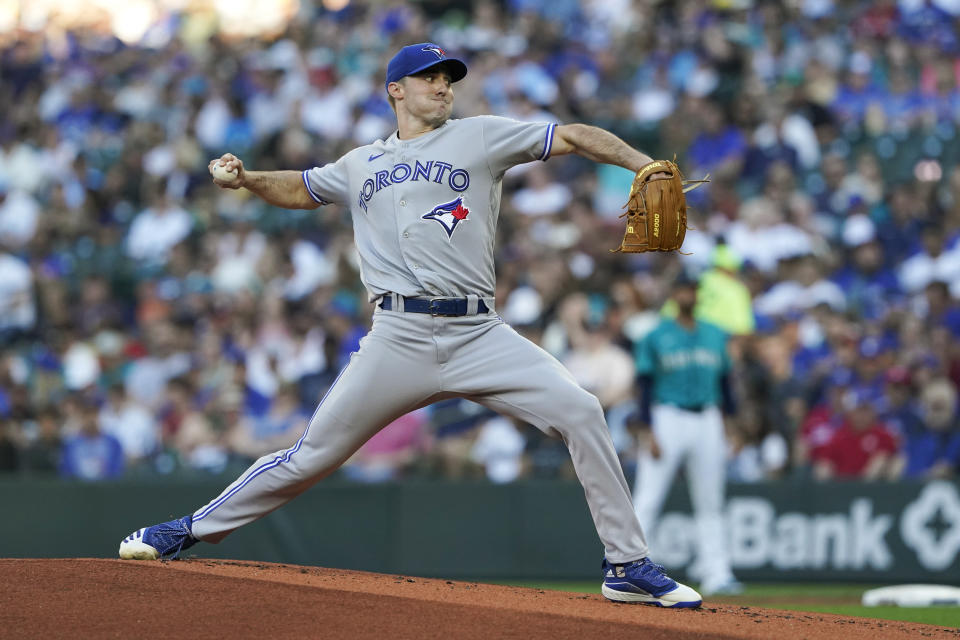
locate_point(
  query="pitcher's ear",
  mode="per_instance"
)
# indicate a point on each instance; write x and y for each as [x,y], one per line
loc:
[395,89]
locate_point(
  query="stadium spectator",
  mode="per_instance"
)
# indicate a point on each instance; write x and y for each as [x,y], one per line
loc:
[757,453]
[900,221]
[931,263]
[861,447]
[18,312]
[131,424]
[901,413]
[91,454]
[939,309]
[391,452]
[499,449]
[802,290]
[931,447]
[596,363]
[871,287]
[19,217]
[722,298]
[189,432]
[42,453]
[766,374]
[822,420]
[239,252]
[720,148]
[762,237]
[158,361]
[156,229]
[768,146]
[540,196]
[831,200]
[81,366]
[857,94]
[279,428]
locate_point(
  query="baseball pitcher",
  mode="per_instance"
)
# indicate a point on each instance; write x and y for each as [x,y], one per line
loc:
[424,204]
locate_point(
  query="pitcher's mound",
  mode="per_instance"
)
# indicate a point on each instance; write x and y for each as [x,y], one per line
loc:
[81,598]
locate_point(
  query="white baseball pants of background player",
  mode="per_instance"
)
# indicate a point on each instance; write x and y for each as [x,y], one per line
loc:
[410,360]
[696,438]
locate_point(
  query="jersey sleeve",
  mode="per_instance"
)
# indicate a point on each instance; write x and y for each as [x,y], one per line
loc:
[725,363]
[327,184]
[511,142]
[644,356]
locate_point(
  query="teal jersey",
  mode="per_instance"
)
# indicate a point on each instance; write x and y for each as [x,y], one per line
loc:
[686,364]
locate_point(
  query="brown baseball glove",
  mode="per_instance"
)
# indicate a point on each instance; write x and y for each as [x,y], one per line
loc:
[657,209]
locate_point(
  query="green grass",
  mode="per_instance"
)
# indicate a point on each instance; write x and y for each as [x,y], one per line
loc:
[840,599]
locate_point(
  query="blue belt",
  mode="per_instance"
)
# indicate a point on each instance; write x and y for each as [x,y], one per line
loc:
[694,408]
[434,306]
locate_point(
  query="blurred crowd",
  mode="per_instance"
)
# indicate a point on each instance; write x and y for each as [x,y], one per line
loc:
[152,323]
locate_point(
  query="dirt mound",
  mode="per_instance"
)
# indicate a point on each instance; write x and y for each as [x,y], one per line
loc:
[85,598]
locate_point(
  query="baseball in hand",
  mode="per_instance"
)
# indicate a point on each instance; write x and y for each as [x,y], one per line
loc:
[220,173]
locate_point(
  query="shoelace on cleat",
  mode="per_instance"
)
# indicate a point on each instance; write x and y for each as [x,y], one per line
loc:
[654,566]
[654,573]
[166,536]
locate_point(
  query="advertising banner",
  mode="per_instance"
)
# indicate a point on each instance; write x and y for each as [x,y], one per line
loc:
[873,532]
[788,531]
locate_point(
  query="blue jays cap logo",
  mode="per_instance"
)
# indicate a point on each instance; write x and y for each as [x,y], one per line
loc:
[414,58]
[449,215]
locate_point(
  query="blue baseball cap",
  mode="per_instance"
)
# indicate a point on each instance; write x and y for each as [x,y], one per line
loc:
[415,58]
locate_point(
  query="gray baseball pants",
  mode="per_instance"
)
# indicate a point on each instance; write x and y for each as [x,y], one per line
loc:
[411,360]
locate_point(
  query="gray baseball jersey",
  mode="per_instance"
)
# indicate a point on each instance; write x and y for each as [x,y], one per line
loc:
[424,214]
[425,210]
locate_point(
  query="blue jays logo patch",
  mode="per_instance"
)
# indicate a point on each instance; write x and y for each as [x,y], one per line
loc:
[435,50]
[449,215]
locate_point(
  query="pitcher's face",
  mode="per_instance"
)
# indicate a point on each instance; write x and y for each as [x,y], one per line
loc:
[428,96]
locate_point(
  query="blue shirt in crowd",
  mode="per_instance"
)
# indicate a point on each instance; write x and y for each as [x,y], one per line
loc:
[925,448]
[88,457]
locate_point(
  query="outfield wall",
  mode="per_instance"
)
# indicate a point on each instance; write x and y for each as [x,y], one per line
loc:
[534,530]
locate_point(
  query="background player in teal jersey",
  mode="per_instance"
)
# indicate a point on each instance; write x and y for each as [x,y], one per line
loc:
[683,370]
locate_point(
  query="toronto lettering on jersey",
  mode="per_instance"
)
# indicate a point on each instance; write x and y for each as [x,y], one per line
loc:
[429,171]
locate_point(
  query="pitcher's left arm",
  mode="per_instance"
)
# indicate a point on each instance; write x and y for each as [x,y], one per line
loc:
[598,145]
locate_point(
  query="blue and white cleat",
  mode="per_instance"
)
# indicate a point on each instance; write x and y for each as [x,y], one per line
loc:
[645,582]
[159,541]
